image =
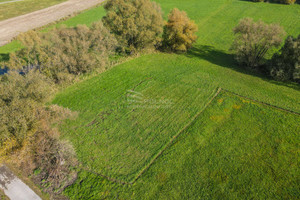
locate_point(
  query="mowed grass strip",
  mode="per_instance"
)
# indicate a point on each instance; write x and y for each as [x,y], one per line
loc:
[237,149]
[18,8]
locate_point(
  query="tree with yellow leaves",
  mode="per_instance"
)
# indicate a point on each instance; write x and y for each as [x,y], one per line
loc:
[179,32]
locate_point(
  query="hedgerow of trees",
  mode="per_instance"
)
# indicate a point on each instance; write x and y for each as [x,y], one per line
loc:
[64,53]
[20,97]
[26,130]
[27,137]
[138,24]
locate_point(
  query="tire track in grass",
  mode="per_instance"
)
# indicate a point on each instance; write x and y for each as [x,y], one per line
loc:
[175,137]
[166,146]
[216,12]
[194,118]
[261,102]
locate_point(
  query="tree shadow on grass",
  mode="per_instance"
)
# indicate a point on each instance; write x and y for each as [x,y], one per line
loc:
[4,57]
[223,59]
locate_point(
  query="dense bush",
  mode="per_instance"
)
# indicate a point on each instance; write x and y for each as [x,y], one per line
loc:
[80,50]
[286,64]
[26,133]
[253,40]
[52,162]
[48,160]
[179,32]
[66,52]
[20,98]
[137,24]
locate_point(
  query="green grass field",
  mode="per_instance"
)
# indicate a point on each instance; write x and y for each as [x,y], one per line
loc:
[127,115]
[233,149]
[236,149]
[14,9]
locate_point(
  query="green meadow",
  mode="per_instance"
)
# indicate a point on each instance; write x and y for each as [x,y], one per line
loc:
[155,127]
[120,138]
[236,149]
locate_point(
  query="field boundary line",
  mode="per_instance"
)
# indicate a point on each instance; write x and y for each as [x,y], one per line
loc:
[215,13]
[195,117]
[166,146]
[261,102]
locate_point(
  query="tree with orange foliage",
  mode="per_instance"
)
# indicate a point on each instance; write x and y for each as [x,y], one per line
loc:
[179,32]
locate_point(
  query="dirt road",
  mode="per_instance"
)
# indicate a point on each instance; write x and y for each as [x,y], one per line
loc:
[10,28]
[13,187]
